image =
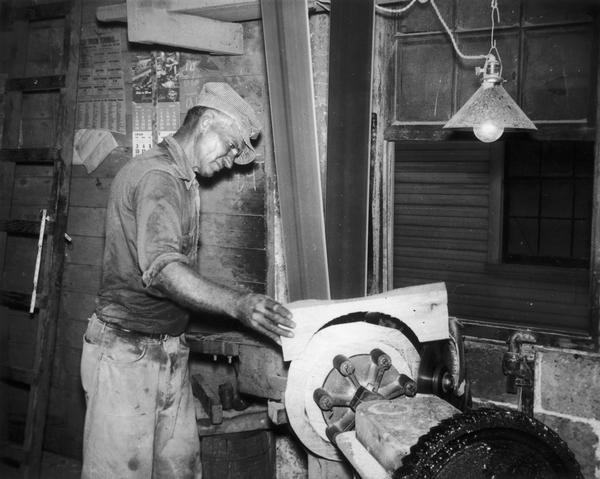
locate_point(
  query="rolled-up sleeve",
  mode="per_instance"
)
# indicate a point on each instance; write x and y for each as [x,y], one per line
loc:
[158,205]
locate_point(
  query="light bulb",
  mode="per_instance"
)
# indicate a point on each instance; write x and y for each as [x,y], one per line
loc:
[488,131]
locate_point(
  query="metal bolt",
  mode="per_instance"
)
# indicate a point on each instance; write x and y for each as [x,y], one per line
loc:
[343,365]
[381,359]
[409,386]
[323,399]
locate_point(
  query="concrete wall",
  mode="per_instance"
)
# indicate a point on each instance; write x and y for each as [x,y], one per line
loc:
[566,390]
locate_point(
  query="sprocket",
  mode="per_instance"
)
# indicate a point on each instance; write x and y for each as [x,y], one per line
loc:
[490,443]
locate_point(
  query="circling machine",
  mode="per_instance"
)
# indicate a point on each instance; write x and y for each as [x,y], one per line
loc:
[380,382]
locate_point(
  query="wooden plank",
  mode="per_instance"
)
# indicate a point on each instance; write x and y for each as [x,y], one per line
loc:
[40,12]
[291,96]
[422,308]
[112,13]
[595,230]
[348,145]
[81,278]
[86,250]
[90,192]
[428,210]
[39,393]
[463,200]
[233,265]
[377,425]
[42,83]
[152,24]
[462,225]
[434,132]
[45,48]
[23,227]
[208,398]
[34,191]
[15,300]
[496,205]
[438,253]
[86,221]
[438,231]
[360,458]
[559,287]
[29,155]
[229,11]
[241,231]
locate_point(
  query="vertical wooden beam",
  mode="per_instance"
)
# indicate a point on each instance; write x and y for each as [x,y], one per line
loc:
[348,146]
[595,240]
[46,332]
[291,97]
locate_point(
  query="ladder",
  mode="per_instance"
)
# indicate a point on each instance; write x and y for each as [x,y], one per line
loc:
[39,95]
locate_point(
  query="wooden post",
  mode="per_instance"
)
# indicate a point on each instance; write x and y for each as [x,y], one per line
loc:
[291,97]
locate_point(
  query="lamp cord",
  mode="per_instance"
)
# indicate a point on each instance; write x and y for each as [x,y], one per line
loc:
[381,9]
[394,11]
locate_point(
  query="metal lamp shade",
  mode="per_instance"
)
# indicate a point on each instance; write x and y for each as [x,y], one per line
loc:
[491,102]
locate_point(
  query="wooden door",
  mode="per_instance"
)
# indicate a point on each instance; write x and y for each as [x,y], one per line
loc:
[38,62]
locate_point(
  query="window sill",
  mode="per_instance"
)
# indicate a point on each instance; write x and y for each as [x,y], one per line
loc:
[547,274]
[499,333]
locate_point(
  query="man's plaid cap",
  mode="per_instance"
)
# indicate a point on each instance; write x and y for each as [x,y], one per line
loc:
[222,97]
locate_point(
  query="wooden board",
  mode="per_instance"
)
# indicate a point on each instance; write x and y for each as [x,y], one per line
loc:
[348,146]
[388,429]
[422,308]
[291,96]
[360,458]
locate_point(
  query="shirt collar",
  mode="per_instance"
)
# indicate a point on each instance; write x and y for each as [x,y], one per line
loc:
[182,162]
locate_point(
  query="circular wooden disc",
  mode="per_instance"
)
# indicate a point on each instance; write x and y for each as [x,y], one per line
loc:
[310,371]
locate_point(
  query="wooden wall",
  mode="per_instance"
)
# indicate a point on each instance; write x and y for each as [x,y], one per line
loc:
[441,220]
[233,242]
[27,49]
[447,194]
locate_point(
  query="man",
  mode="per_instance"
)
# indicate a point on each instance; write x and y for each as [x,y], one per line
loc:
[140,420]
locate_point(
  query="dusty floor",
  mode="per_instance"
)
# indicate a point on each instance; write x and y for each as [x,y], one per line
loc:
[53,467]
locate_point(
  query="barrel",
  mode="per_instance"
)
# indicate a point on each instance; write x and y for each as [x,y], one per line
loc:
[241,455]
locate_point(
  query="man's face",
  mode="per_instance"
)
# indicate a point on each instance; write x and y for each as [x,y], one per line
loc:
[217,147]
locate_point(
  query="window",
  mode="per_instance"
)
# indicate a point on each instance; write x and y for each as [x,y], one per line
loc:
[547,202]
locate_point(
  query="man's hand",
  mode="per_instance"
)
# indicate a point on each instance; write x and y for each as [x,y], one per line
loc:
[266,316]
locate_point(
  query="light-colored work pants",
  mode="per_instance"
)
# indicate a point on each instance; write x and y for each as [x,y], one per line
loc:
[140,420]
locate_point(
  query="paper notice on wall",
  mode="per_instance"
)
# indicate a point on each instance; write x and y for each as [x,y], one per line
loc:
[101,85]
[156,110]
[167,85]
[142,114]
[142,75]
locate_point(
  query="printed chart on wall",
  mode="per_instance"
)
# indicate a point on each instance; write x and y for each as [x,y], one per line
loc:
[101,86]
[156,110]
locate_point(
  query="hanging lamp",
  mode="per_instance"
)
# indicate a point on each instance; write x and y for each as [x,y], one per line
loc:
[490,110]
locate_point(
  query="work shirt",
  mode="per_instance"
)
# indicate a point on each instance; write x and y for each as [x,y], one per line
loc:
[152,220]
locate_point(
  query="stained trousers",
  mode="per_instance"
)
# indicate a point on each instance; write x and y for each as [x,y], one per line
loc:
[140,420]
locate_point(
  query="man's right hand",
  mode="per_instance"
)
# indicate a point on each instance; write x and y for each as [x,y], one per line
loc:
[265,315]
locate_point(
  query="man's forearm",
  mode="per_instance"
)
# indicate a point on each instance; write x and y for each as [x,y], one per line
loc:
[256,311]
[189,289]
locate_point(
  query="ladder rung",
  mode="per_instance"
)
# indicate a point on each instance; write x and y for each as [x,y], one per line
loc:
[19,300]
[43,12]
[51,82]
[19,375]
[23,227]
[15,452]
[30,155]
